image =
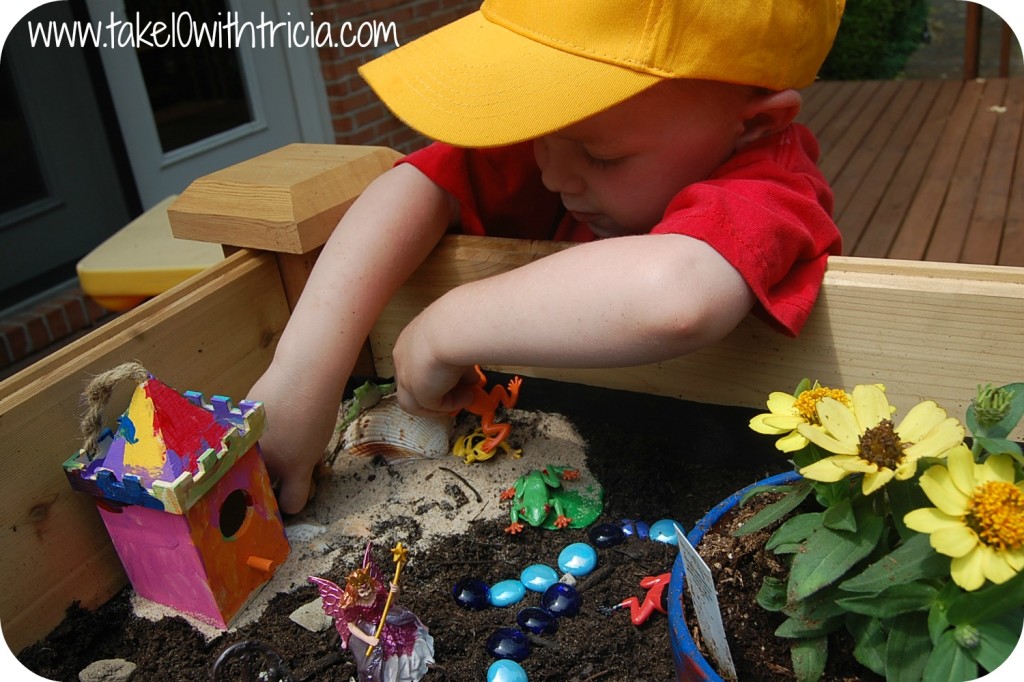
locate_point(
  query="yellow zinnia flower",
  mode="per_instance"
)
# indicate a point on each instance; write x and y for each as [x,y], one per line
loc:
[787,412]
[978,517]
[865,441]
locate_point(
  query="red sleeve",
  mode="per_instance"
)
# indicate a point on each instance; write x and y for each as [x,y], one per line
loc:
[499,189]
[768,212]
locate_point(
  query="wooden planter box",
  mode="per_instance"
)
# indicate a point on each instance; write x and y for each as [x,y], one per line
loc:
[926,329]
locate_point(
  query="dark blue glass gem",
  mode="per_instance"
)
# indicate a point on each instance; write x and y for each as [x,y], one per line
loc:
[537,620]
[638,528]
[561,600]
[471,593]
[508,643]
[606,535]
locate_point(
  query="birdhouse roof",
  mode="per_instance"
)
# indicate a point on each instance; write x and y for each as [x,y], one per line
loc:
[167,448]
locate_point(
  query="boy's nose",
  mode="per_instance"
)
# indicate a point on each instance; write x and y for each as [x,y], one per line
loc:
[558,169]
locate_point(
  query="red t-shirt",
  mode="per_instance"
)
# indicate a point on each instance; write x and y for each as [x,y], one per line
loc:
[767,211]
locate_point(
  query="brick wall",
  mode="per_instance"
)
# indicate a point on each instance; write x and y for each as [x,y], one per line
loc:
[357,115]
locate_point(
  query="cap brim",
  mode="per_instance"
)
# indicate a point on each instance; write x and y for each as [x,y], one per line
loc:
[473,83]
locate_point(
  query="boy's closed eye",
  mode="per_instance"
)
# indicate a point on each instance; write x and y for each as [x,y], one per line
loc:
[603,162]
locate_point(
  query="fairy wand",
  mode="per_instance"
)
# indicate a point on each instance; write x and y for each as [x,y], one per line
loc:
[399,555]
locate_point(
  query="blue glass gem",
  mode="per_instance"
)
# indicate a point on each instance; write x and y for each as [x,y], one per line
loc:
[578,559]
[665,531]
[638,528]
[507,592]
[471,593]
[537,620]
[561,600]
[607,535]
[508,643]
[538,577]
[506,671]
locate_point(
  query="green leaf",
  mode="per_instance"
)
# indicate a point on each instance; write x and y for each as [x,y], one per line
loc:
[904,497]
[897,600]
[795,530]
[937,621]
[949,663]
[801,628]
[776,510]
[870,642]
[913,560]
[998,639]
[988,603]
[908,648]
[840,516]
[772,595]
[999,445]
[809,658]
[818,608]
[829,555]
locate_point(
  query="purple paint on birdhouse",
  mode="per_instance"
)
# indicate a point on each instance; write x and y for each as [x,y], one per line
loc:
[183,491]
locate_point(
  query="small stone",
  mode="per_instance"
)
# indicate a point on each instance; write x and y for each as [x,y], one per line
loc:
[537,620]
[311,616]
[507,592]
[606,535]
[303,532]
[472,593]
[561,600]
[568,579]
[578,559]
[508,643]
[108,670]
[665,531]
[538,577]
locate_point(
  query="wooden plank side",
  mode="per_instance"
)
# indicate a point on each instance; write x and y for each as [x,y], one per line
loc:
[957,211]
[214,333]
[985,232]
[926,330]
[870,102]
[917,226]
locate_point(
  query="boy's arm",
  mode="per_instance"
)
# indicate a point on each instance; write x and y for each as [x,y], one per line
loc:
[382,238]
[616,302]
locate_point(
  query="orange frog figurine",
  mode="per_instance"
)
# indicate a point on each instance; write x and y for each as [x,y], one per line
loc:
[485,404]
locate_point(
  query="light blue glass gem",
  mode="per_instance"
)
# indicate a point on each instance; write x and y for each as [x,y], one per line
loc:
[664,531]
[538,577]
[507,592]
[578,559]
[506,671]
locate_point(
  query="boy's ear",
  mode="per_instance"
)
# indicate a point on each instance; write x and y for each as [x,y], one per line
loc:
[768,114]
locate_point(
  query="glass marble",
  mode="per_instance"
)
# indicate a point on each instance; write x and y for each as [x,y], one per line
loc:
[504,670]
[638,528]
[508,643]
[561,600]
[577,559]
[606,535]
[537,620]
[664,531]
[538,577]
[507,592]
[472,594]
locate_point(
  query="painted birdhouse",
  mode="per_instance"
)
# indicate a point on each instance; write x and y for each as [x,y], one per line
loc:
[182,489]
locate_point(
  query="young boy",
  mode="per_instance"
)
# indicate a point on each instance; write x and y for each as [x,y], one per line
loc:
[658,132]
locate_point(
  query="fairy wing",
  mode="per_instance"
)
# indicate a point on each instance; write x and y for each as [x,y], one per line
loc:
[331,595]
[371,565]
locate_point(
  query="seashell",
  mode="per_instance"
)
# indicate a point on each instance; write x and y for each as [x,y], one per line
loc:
[387,430]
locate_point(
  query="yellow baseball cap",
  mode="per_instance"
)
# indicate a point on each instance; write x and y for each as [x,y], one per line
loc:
[519,69]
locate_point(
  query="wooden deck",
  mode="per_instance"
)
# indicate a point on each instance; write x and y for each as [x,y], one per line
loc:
[924,170]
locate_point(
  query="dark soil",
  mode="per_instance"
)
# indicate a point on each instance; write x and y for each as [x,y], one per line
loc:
[657,458]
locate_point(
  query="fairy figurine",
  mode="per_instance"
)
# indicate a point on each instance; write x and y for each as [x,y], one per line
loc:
[388,642]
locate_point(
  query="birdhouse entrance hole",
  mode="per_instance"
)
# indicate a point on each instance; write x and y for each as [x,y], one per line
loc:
[234,512]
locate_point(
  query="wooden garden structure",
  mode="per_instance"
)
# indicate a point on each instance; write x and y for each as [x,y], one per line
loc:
[924,172]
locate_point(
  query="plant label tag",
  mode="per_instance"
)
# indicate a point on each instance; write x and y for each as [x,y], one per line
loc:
[701,587]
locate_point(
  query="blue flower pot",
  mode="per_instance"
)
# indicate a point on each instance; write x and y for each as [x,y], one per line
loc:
[690,664]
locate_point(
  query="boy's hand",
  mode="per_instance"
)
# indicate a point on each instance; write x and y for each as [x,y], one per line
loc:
[427,386]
